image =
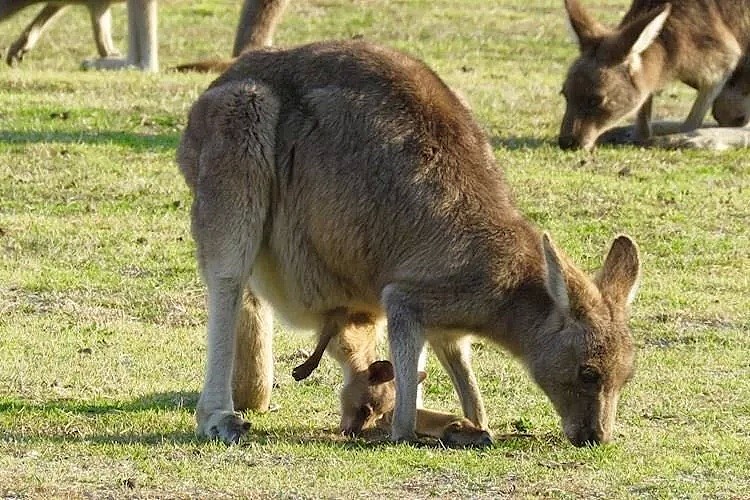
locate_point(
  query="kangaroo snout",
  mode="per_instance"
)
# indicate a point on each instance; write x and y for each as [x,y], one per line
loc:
[587,436]
[568,142]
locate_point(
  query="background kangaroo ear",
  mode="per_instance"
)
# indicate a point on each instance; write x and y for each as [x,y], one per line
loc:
[620,274]
[638,35]
[421,376]
[555,283]
[585,30]
[380,372]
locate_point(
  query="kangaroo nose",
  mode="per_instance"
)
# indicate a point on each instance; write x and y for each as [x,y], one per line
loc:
[587,437]
[567,142]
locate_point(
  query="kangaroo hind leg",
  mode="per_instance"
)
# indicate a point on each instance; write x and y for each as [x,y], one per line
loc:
[253,361]
[226,155]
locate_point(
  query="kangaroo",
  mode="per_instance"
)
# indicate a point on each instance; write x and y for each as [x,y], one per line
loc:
[257,23]
[142,33]
[698,42]
[255,29]
[732,107]
[348,176]
[101,22]
[361,409]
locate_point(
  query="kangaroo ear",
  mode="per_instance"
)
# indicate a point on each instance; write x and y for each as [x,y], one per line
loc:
[380,372]
[556,286]
[620,274]
[638,35]
[585,30]
[421,376]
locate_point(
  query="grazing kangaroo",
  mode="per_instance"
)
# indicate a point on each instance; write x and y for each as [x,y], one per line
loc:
[347,176]
[698,42]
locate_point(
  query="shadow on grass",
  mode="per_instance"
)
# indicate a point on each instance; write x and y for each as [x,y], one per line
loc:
[137,142]
[515,143]
[373,439]
[157,401]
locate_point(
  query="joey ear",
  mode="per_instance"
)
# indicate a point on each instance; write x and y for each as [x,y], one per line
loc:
[618,278]
[584,28]
[555,282]
[633,39]
[380,372]
[421,376]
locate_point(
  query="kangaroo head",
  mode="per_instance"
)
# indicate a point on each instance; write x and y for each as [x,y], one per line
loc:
[367,396]
[587,356]
[732,106]
[607,82]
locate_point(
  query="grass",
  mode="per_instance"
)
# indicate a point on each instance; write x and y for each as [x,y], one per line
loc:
[102,312]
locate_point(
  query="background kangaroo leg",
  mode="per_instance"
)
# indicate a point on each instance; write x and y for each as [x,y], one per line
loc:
[143,46]
[257,24]
[252,380]
[702,104]
[9,8]
[101,23]
[30,35]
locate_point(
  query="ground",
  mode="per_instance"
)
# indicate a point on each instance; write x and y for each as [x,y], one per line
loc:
[102,311]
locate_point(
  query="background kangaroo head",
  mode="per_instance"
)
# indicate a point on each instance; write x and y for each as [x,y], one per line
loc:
[607,82]
[587,356]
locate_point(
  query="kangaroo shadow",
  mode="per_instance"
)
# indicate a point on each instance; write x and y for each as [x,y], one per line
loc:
[162,401]
[135,141]
[185,401]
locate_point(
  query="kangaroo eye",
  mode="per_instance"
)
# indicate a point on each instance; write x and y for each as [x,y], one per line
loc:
[594,101]
[589,375]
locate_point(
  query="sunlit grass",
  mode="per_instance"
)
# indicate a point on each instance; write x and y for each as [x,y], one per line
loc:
[102,311]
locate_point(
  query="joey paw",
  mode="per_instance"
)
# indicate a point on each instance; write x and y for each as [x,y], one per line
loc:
[465,436]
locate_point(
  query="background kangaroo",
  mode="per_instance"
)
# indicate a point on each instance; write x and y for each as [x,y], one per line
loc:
[101,22]
[698,42]
[258,19]
[349,177]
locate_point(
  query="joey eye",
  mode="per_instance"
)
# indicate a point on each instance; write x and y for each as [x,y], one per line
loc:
[589,375]
[365,412]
